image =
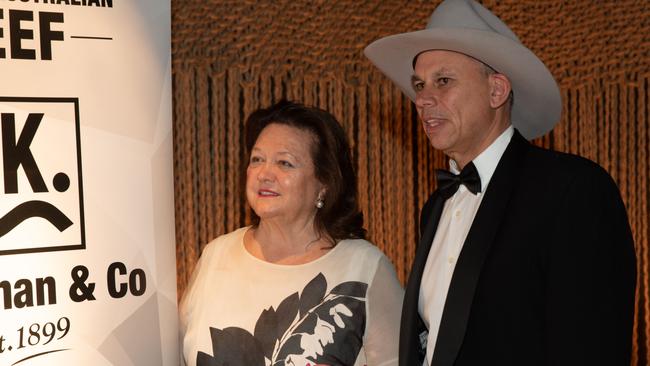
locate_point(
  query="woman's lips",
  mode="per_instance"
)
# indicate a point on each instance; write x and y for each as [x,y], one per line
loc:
[267,193]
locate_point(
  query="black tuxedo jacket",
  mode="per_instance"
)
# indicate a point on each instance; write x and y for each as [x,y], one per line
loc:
[546,275]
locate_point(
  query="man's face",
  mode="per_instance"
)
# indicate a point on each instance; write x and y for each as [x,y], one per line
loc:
[453,100]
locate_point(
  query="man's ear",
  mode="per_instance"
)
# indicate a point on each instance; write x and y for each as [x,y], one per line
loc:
[499,90]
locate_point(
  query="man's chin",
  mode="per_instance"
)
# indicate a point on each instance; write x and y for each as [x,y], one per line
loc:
[438,143]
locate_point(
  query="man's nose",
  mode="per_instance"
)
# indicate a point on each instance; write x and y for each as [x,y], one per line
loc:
[425,98]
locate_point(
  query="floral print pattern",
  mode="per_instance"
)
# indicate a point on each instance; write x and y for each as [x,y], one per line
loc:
[310,328]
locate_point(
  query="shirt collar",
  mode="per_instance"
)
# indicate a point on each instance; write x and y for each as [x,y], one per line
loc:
[486,162]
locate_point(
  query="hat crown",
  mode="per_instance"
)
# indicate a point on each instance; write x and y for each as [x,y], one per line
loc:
[468,14]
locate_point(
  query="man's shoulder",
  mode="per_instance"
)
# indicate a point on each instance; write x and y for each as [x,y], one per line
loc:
[562,166]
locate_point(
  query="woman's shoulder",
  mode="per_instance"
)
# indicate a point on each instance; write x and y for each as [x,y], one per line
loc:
[225,241]
[356,248]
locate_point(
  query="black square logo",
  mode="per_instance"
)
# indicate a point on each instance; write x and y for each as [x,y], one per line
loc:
[41,204]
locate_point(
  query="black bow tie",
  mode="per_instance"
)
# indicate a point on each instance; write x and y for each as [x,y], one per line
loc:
[448,182]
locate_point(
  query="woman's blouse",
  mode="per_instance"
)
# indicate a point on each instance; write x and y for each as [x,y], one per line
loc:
[340,309]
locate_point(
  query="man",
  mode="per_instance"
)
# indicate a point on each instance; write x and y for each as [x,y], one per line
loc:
[525,255]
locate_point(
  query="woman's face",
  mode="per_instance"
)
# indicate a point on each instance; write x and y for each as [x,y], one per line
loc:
[280,179]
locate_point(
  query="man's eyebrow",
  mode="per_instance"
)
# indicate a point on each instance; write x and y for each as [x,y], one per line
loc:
[438,73]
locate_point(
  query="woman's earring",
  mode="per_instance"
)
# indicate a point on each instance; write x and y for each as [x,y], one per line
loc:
[319,202]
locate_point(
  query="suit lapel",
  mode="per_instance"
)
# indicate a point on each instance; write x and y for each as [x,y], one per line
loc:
[477,244]
[410,352]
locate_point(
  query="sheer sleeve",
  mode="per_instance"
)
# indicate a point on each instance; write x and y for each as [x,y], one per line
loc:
[385,296]
[184,311]
[189,301]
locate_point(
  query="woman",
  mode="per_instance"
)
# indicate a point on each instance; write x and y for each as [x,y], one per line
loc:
[300,286]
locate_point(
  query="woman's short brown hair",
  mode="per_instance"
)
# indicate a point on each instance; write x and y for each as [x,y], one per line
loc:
[339,217]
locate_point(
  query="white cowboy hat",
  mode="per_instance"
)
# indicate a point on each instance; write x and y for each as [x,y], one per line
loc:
[467,27]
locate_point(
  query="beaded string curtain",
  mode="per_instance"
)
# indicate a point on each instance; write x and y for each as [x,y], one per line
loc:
[231,57]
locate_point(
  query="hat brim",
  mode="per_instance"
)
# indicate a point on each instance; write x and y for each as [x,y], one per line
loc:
[537,101]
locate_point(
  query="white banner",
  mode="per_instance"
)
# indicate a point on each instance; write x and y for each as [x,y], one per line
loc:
[87,248]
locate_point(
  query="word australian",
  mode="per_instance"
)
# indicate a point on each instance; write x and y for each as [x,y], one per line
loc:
[97,3]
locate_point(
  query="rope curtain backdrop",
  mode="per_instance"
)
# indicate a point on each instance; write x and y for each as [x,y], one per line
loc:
[232,57]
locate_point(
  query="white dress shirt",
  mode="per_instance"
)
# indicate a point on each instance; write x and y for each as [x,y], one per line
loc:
[455,222]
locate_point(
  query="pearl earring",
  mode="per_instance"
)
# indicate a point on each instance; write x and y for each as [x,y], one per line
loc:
[319,202]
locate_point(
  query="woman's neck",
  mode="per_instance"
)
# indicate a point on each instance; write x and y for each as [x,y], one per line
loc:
[286,244]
